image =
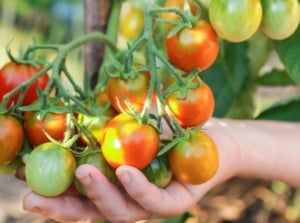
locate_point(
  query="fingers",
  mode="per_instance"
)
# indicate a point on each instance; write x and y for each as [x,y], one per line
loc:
[109,199]
[171,201]
[65,208]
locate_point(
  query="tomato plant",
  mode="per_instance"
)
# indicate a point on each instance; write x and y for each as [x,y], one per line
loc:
[13,74]
[134,90]
[197,101]
[49,169]
[195,47]
[36,124]
[126,141]
[11,138]
[196,159]
[235,20]
[132,23]
[280,18]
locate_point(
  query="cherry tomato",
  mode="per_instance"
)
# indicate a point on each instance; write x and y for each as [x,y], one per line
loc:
[280,18]
[11,167]
[126,141]
[95,124]
[170,16]
[192,48]
[235,20]
[196,160]
[198,101]
[54,124]
[132,23]
[11,138]
[50,169]
[96,159]
[159,172]
[13,74]
[134,90]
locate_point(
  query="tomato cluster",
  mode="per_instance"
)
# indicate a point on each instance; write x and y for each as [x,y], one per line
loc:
[135,119]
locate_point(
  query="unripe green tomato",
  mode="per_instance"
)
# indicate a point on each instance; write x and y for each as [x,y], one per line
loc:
[50,169]
[280,18]
[235,20]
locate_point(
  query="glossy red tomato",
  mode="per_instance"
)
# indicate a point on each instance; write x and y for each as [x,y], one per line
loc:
[49,169]
[54,124]
[195,160]
[126,141]
[134,90]
[13,74]
[194,109]
[195,47]
[11,138]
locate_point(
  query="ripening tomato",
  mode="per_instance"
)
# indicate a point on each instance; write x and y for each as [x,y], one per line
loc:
[195,47]
[132,23]
[54,124]
[50,169]
[126,141]
[13,74]
[195,160]
[235,20]
[95,124]
[198,101]
[11,138]
[134,90]
[11,168]
[280,18]
[170,16]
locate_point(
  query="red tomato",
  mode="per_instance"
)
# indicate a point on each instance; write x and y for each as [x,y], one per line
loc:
[134,90]
[13,74]
[126,141]
[195,47]
[55,124]
[196,160]
[11,138]
[196,108]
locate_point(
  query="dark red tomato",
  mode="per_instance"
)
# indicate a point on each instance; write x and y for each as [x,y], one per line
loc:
[11,138]
[195,47]
[135,91]
[49,169]
[126,141]
[196,160]
[95,124]
[13,74]
[194,109]
[54,124]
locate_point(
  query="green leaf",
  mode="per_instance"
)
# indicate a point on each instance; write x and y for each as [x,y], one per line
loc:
[284,110]
[227,76]
[288,51]
[274,78]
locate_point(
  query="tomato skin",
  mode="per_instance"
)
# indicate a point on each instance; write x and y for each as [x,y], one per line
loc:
[13,74]
[235,20]
[50,169]
[55,124]
[280,18]
[132,23]
[196,160]
[126,141]
[198,101]
[11,138]
[159,172]
[134,90]
[195,47]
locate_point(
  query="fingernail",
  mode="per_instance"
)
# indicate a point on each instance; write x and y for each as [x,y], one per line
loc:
[124,176]
[84,176]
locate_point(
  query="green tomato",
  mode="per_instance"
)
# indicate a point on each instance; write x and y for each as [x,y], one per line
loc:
[235,20]
[159,172]
[280,18]
[50,169]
